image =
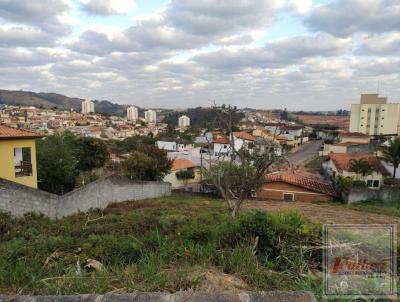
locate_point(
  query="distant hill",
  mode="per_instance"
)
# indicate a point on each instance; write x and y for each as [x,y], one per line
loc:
[199,117]
[55,100]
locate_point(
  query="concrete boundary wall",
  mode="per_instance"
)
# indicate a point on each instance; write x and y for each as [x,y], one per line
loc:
[384,194]
[19,199]
[229,296]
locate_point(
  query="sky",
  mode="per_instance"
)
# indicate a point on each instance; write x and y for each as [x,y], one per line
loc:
[265,54]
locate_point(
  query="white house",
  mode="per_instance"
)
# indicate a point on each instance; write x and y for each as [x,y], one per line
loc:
[221,146]
[340,164]
[168,145]
[171,144]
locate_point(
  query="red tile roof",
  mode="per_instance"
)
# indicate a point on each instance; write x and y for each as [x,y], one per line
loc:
[221,140]
[306,181]
[244,135]
[342,161]
[14,133]
[180,164]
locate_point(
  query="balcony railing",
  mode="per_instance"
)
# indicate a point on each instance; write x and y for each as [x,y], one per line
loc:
[23,169]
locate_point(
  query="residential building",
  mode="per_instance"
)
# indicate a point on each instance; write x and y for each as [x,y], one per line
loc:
[183,165]
[221,146]
[294,134]
[167,144]
[18,156]
[340,164]
[174,144]
[243,139]
[265,134]
[87,107]
[150,116]
[346,147]
[295,186]
[184,121]
[374,116]
[132,113]
[354,137]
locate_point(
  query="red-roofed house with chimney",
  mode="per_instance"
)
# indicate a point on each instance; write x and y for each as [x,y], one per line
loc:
[296,186]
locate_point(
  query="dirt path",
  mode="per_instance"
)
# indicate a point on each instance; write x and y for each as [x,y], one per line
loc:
[322,213]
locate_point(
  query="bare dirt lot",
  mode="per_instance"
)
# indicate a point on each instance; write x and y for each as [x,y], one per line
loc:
[342,122]
[321,213]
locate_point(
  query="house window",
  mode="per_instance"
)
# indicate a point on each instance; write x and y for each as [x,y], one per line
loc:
[22,162]
[288,196]
[373,183]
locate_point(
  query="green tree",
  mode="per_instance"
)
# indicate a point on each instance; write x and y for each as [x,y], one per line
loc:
[238,173]
[57,164]
[92,153]
[150,164]
[360,166]
[185,175]
[391,154]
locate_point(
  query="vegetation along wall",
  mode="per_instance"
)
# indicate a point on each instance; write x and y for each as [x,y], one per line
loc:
[18,199]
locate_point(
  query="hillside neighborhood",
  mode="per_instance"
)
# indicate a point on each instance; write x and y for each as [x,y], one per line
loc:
[199,150]
[347,161]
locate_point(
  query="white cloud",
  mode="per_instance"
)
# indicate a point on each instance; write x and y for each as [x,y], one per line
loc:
[347,17]
[108,7]
[300,7]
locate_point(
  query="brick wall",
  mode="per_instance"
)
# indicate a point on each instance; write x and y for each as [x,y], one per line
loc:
[18,199]
[275,190]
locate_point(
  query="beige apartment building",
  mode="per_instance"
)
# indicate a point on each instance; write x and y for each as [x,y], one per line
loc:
[374,116]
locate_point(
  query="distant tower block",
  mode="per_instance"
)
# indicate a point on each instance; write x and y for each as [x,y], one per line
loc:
[184,121]
[87,107]
[132,113]
[150,116]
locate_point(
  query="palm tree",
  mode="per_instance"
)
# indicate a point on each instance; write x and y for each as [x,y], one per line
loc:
[360,166]
[391,154]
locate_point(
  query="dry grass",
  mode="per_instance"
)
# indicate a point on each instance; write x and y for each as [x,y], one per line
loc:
[342,122]
[322,213]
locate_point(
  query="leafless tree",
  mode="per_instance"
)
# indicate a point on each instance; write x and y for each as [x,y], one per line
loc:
[239,170]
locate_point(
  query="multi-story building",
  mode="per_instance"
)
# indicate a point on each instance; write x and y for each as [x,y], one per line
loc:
[184,121]
[132,113]
[87,107]
[150,116]
[374,116]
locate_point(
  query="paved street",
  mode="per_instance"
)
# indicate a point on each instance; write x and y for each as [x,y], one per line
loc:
[306,152]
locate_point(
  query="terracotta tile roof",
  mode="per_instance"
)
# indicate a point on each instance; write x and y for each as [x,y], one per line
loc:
[354,134]
[276,136]
[244,135]
[221,140]
[303,180]
[14,133]
[179,164]
[342,161]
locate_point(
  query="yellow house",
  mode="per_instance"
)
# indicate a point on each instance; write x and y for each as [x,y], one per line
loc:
[18,155]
